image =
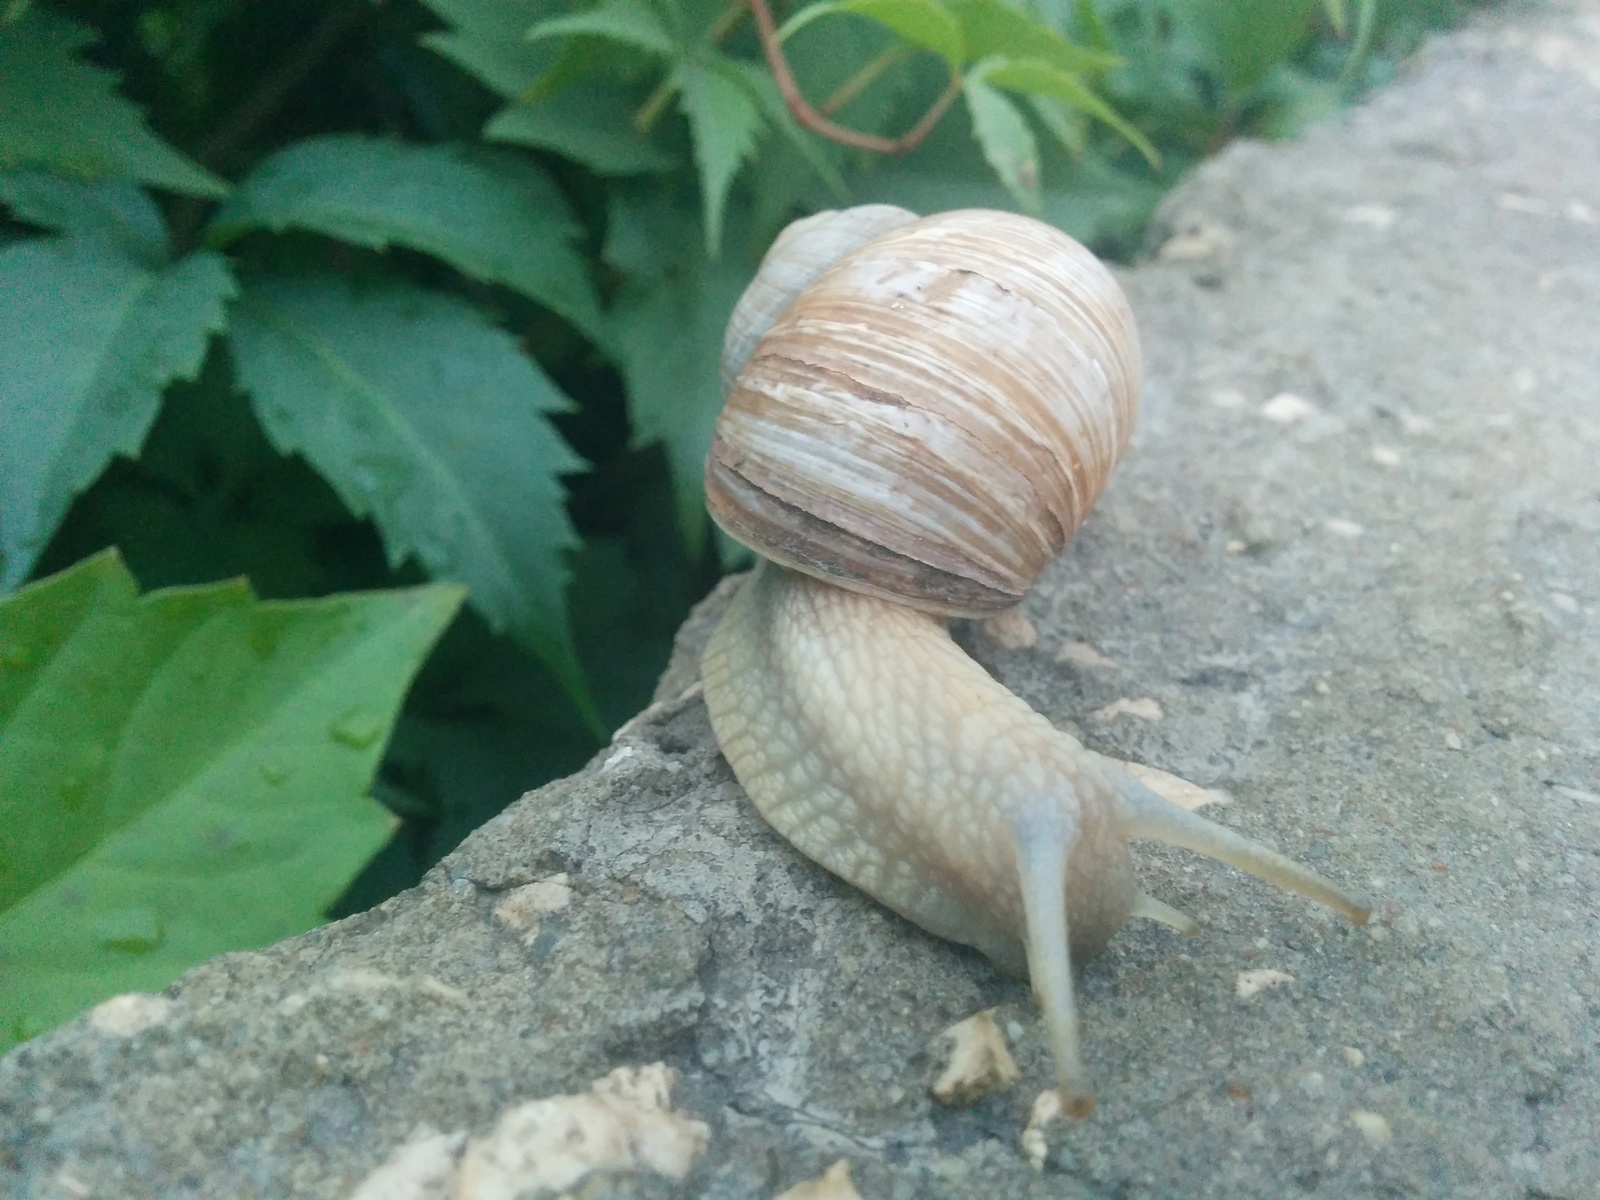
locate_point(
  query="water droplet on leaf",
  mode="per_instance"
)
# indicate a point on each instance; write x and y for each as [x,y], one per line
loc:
[356,728]
[134,930]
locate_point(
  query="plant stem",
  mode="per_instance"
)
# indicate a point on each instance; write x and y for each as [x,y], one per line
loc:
[819,123]
[861,80]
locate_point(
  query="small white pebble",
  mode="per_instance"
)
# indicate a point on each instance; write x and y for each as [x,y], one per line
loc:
[1227,397]
[1234,546]
[1081,654]
[1046,1109]
[1322,687]
[1146,708]
[979,1062]
[833,1184]
[1386,456]
[616,759]
[1340,527]
[1250,984]
[1374,216]
[1576,794]
[1564,602]
[1516,202]
[1193,245]
[1354,1057]
[1286,408]
[1416,426]
[130,1014]
[1372,1125]
[1175,788]
[422,1169]
[1452,740]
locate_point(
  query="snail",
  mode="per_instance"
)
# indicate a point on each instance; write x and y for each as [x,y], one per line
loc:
[919,414]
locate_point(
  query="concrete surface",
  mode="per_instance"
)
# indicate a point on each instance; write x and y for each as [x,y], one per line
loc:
[1370,611]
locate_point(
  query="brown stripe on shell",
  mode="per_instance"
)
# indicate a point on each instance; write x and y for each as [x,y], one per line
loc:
[954,392]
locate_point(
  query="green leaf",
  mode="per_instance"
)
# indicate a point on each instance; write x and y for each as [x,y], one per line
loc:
[1038,78]
[1006,140]
[184,773]
[422,414]
[1244,39]
[667,331]
[486,39]
[113,207]
[725,124]
[92,336]
[1068,126]
[992,27]
[589,123]
[758,81]
[493,218]
[627,21]
[58,111]
[924,23]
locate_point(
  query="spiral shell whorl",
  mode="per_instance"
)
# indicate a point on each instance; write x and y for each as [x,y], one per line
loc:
[932,418]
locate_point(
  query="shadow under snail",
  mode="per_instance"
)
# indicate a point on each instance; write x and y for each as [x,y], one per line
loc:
[919,415]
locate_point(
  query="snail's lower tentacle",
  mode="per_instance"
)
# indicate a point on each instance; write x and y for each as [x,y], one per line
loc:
[1147,815]
[1044,840]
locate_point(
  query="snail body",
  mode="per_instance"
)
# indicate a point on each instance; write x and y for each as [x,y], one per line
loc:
[919,415]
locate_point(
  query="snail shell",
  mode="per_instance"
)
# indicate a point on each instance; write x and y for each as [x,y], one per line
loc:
[936,411]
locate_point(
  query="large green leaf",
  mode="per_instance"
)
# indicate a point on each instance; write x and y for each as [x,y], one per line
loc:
[725,122]
[58,111]
[183,773]
[1008,144]
[991,27]
[1244,39]
[1037,77]
[113,207]
[590,123]
[630,22]
[493,218]
[486,39]
[91,337]
[667,333]
[424,415]
[924,23]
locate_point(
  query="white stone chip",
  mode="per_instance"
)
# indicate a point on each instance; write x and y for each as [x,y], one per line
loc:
[1250,984]
[1385,456]
[1081,654]
[623,1124]
[1340,527]
[1146,708]
[1373,1126]
[130,1013]
[1374,216]
[1564,602]
[522,907]
[1175,788]
[422,1169]
[1227,397]
[980,1063]
[1452,740]
[1035,1145]
[833,1184]
[1012,630]
[1354,1057]
[1286,408]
